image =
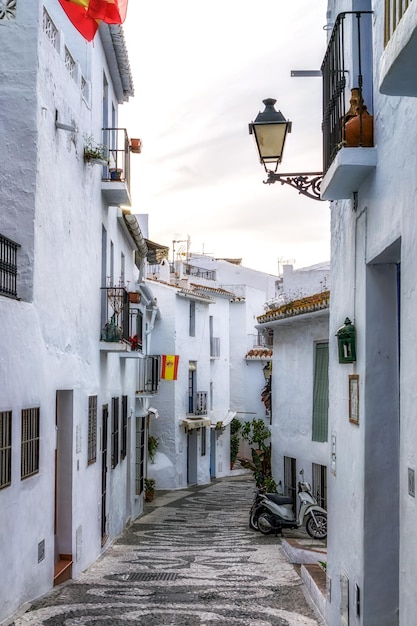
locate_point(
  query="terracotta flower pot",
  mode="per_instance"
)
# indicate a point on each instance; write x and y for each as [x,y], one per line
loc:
[135,146]
[353,136]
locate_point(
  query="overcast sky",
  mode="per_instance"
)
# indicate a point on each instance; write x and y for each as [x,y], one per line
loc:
[201,70]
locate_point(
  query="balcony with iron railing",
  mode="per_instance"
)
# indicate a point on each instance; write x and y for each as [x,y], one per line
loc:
[115,179]
[349,155]
[8,267]
[397,67]
[120,313]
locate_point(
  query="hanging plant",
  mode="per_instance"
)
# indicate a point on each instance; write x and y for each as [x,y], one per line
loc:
[153,443]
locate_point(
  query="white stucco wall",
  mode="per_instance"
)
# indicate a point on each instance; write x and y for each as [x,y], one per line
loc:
[50,347]
[292,393]
[367,246]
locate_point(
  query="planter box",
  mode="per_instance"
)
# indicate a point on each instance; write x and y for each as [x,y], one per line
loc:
[134,297]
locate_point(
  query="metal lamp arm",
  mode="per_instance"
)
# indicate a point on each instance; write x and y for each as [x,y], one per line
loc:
[306,183]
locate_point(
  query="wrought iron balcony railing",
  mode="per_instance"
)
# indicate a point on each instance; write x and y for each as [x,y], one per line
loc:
[116,307]
[118,147]
[199,272]
[8,267]
[116,175]
[346,58]
[394,10]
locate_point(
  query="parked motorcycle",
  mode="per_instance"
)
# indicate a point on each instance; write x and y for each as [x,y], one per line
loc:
[271,512]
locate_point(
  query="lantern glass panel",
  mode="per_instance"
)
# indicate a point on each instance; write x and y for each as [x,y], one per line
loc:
[270,139]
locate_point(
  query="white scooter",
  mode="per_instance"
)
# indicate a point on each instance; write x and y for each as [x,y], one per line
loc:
[274,512]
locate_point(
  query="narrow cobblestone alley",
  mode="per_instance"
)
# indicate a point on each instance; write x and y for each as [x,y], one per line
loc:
[190,560]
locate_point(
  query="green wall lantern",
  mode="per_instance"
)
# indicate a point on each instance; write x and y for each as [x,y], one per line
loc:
[346,341]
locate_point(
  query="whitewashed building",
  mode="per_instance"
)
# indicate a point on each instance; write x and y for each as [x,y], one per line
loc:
[73,411]
[207,319]
[250,350]
[372,562]
[298,320]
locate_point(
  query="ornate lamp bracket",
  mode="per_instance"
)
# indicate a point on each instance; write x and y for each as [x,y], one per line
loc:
[306,183]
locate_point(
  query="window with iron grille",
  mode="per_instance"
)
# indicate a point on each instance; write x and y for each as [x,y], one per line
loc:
[115,432]
[140,455]
[92,429]
[30,442]
[8,266]
[321,392]
[123,448]
[5,448]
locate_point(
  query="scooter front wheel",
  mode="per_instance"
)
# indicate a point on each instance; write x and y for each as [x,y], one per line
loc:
[317,526]
[264,524]
[253,518]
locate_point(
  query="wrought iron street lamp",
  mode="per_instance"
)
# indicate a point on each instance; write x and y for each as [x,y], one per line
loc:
[270,130]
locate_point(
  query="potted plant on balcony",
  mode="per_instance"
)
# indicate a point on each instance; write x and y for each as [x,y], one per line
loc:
[95,152]
[115,173]
[149,489]
[111,332]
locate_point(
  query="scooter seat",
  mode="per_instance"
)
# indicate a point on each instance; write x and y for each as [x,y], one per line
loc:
[279,499]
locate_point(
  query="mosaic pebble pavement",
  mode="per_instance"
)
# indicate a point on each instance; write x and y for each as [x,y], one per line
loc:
[190,560]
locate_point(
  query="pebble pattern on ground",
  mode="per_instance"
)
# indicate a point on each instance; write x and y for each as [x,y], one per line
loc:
[190,560]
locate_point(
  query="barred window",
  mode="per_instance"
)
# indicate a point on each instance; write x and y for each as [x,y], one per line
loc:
[30,443]
[115,432]
[8,266]
[92,429]
[123,448]
[5,448]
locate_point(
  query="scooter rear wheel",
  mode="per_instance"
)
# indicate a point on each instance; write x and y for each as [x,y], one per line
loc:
[264,525]
[317,529]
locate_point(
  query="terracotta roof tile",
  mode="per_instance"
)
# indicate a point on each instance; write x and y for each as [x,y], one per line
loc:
[259,354]
[309,304]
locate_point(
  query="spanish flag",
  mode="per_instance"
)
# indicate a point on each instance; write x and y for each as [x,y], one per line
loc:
[86,15]
[169,367]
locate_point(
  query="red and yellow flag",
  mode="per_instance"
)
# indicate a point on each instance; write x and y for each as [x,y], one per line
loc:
[169,367]
[86,15]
